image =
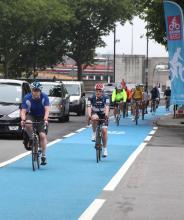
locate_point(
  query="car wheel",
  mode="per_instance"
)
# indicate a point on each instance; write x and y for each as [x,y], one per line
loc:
[67,118]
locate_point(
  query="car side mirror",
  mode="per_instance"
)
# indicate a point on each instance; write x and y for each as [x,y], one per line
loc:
[83,94]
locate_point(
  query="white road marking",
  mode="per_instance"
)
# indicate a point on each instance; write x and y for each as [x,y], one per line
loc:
[82,129]
[91,211]
[116,132]
[14,159]
[152,132]
[20,156]
[148,138]
[69,135]
[122,171]
[155,128]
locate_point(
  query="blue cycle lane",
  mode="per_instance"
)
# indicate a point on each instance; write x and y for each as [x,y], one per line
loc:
[70,182]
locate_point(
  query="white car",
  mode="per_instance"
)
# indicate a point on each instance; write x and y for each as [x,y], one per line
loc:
[59,100]
[77,96]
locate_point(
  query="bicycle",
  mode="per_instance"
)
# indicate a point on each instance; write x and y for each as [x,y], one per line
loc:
[167,103]
[118,115]
[153,106]
[98,142]
[98,139]
[136,112]
[35,146]
[143,108]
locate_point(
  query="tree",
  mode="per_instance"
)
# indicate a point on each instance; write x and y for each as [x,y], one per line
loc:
[153,14]
[92,20]
[26,30]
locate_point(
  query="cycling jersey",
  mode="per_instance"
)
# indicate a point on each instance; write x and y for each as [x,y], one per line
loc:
[119,96]
[155,93]
[137,94]
[98,104]
[35,107]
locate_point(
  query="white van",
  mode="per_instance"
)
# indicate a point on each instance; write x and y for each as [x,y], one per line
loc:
[77,96]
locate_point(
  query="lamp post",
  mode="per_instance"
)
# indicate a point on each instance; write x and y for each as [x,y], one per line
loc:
[114,54]
[146,69]
[115,41]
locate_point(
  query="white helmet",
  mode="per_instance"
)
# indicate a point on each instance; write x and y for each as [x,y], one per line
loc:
[119,86]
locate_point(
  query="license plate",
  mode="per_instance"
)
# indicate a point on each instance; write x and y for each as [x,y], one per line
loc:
[13,128]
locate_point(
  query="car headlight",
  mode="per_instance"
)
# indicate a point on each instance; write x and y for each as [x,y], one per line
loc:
[15,114]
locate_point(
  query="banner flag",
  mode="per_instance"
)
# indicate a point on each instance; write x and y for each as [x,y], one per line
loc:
[175,41]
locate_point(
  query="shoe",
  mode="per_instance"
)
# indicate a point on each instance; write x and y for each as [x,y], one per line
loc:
[93,138]
[43,160]
[105,152]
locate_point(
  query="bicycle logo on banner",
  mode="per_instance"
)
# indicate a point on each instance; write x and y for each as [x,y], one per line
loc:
[174,25]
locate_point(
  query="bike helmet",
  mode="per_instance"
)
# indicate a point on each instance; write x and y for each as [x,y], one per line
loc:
[119,86]
[36,85]
[99,86]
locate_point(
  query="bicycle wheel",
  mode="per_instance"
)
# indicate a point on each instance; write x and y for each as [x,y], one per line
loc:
[154,106]
[98,144]
[118,116]
[35,156]
[136,114]
[143,109]
[117,119]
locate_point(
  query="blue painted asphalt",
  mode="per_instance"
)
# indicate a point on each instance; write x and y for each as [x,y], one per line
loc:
[64,188]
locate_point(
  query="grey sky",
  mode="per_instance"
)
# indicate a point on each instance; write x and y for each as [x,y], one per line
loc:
[124,35]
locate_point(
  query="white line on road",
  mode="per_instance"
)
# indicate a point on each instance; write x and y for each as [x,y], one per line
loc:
[119,175]
[91,211]
[82,129]
[69,135]
[152,132]
[148,138]
[155,128]
[20,156]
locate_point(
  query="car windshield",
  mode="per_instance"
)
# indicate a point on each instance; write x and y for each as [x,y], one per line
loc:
[10,93]
[52,90]
[109,87]
[73,89]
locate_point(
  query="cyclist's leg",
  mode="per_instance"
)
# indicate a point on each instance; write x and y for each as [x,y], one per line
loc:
[104,139]
[133,109]
[94,123]
[115,110]
[29,127]
[27,134]
[43,141]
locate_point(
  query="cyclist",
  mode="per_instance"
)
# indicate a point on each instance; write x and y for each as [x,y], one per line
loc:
[119,97]
[145,101]
[137,96]
[167,95]
[98,108]
[155,96]
[129,97]
[35,107]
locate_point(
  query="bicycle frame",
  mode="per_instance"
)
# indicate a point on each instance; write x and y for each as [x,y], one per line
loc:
[153,105]
[118,115]
[136,112]
[36,149]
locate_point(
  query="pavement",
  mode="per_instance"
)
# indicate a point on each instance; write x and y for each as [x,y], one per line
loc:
[170,121]
[153,187]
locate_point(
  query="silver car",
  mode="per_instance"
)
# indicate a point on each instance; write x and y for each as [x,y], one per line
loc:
[59,100]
